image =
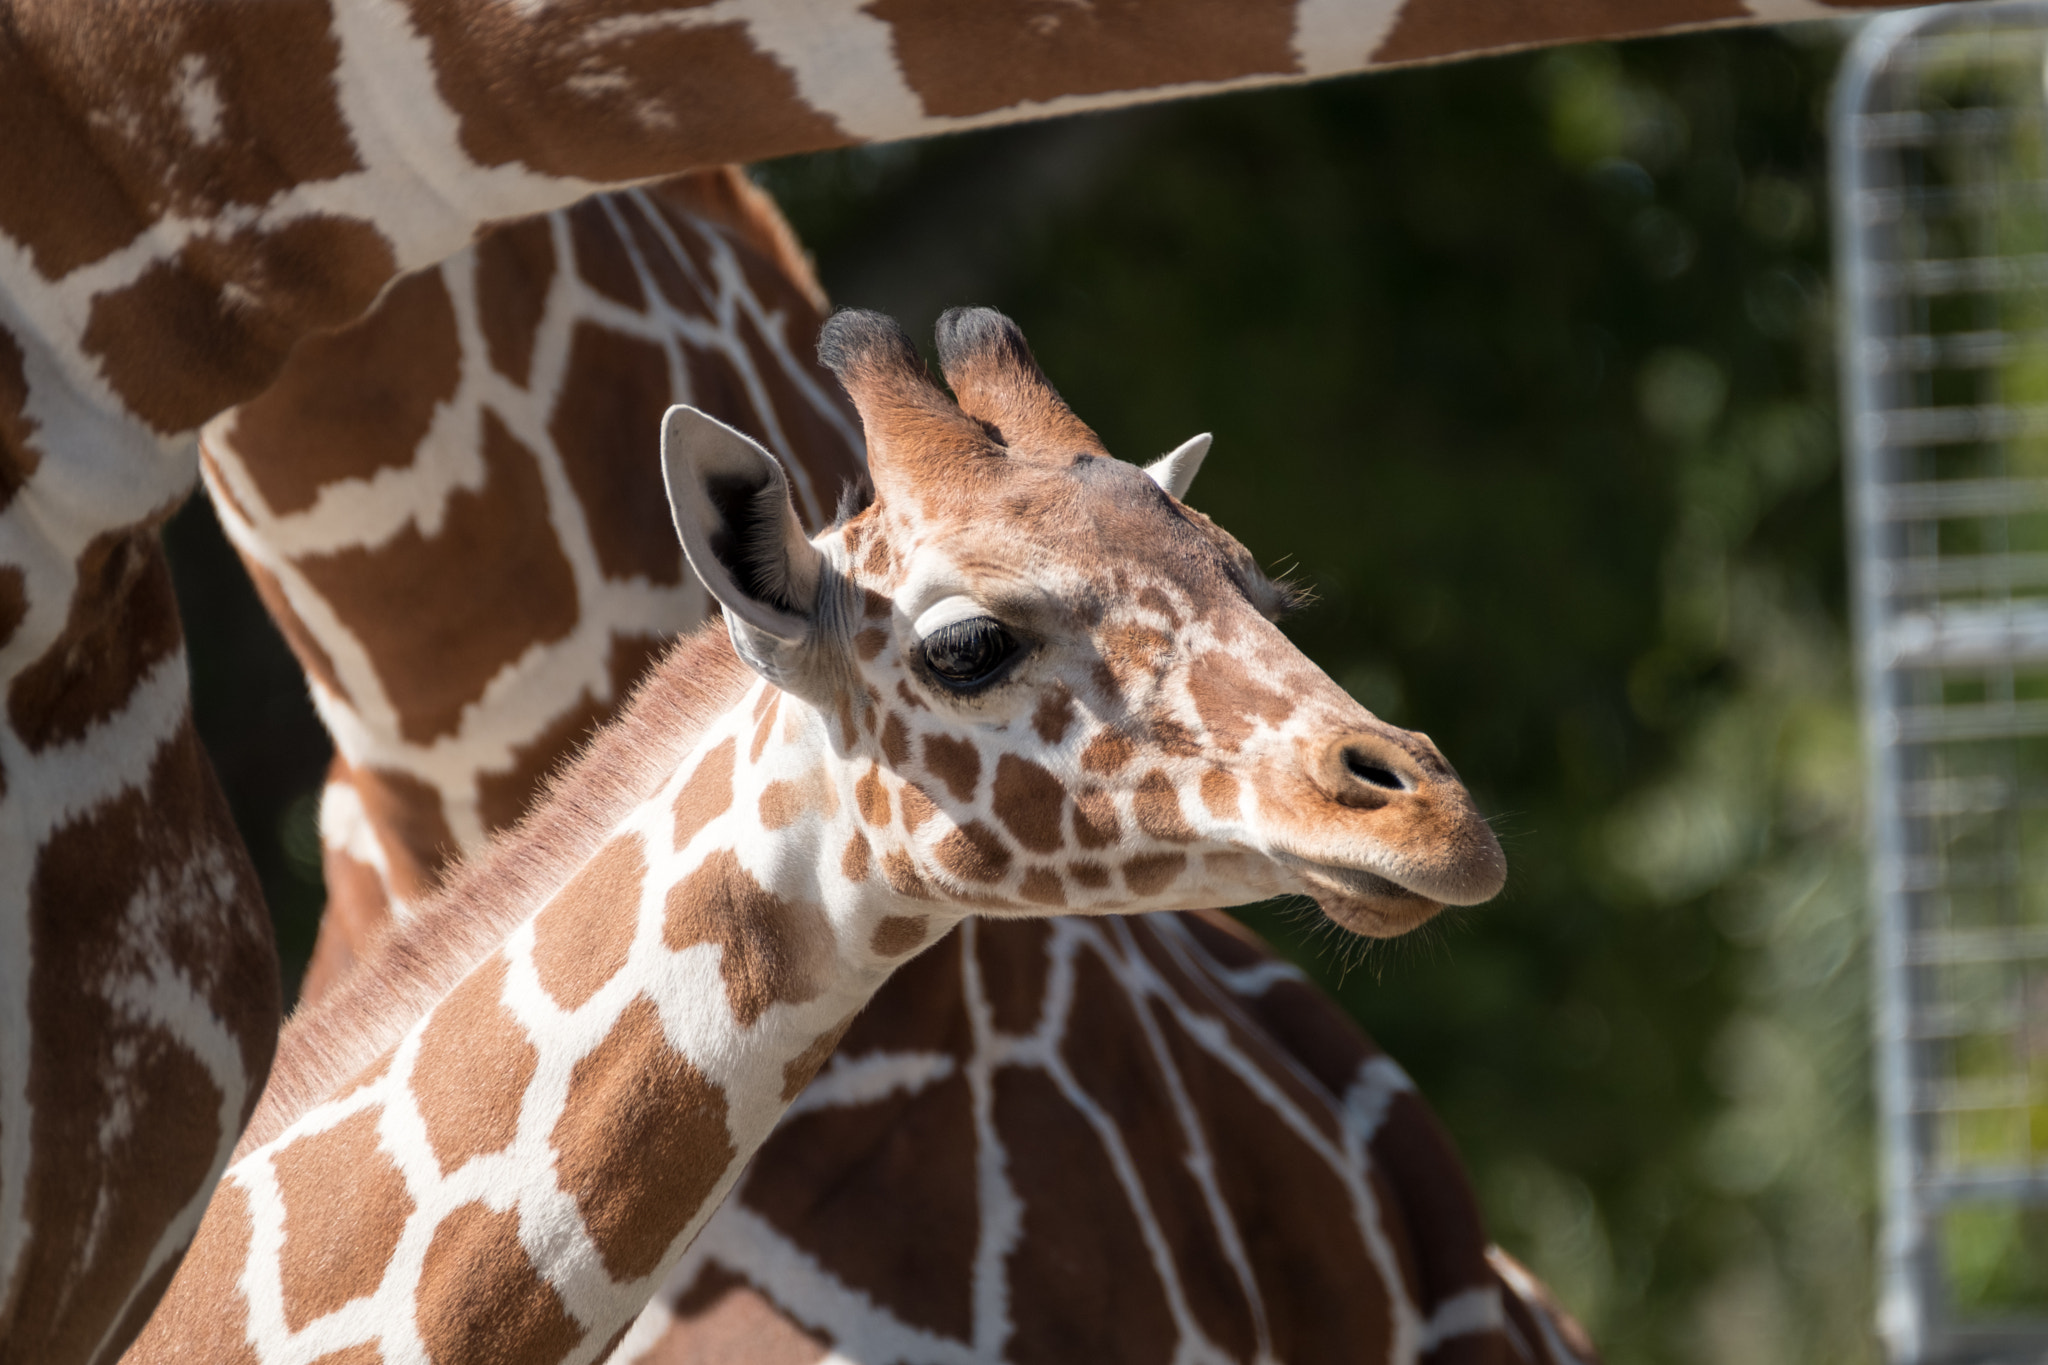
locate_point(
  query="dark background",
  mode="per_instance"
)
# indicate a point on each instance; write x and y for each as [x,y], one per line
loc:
[1524,366]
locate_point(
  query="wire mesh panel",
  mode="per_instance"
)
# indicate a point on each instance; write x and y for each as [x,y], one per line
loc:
[1941,156]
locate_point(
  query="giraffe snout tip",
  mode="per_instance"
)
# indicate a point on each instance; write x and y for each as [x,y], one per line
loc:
[1405,838]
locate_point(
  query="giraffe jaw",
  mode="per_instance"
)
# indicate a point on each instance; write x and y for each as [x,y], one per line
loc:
[1365,902]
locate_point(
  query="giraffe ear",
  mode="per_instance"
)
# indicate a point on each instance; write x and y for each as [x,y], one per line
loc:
[730,501]
[1175,471]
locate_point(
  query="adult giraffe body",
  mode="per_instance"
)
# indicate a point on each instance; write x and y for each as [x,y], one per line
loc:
[186,191]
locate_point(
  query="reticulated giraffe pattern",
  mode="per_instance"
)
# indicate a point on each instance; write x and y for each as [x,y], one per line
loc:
[186,192]
[455,508]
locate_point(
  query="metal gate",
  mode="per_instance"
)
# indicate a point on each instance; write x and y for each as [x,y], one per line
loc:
[1941,210]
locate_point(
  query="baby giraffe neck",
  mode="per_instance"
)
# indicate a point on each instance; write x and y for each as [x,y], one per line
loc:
[511,1180]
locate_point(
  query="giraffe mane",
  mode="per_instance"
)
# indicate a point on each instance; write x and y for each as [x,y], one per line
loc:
[406,971]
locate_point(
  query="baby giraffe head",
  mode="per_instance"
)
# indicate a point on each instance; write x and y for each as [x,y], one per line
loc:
[1044,681]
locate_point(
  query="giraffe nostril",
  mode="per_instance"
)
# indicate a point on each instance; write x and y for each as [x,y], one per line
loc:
[1361,766]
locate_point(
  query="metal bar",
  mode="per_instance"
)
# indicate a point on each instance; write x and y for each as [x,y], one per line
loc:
[1938,501]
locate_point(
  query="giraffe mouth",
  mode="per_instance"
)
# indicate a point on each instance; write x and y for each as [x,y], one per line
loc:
[1365,902]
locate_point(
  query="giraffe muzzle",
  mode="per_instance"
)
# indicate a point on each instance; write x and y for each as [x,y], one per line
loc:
[1404,838]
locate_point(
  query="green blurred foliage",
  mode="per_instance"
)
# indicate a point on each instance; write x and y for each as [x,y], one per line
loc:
[1524,367]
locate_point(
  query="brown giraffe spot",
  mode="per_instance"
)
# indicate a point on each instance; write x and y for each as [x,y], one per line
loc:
[1042,886]
[1219,794]
[896,935]
[1134,654]
[1107,753]
[362,1353]
[1231,701]
[872,796]
[853,863]
[13,598]
[801,1069]
[786,800]
[765,728]
[782,803]
[480,1301]
[502,796]
[1082,1284]
[964,63]
[917,806]
[1029,801]
[876,562]
[353,401]
[123,621]
[1054,713]
[516,590]
[903,876]
[974,853]
[601,258]
[707,795]
[1106,1051]
[204,1315]
[1153,872]
[874,606]
[764,701]
[1167,736]
[582,936]
[1095,822]
[1157,806]
[770,950]
[910,698]
[895,741]
[1091,875]
[178,347]
[345,1207]
[1153,600]
[868,643]
[956,762]
[473,1069]
[515,265]
[635,1094]
[725,1321]
[1012,956]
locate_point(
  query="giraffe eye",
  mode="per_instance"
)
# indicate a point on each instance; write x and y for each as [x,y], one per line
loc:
[969,652]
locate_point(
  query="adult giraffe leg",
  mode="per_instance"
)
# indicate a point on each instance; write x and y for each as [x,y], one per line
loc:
[138,982]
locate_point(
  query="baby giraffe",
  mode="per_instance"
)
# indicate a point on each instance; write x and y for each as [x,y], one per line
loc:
[1026,679]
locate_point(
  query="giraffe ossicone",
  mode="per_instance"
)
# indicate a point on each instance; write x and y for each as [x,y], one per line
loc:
[500,1132]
